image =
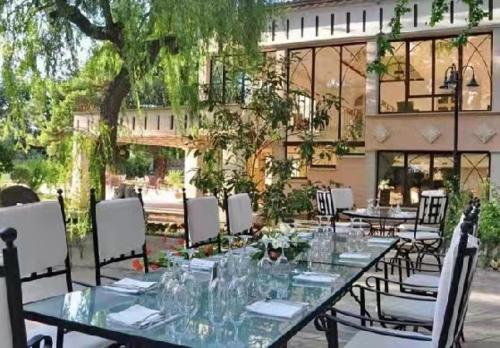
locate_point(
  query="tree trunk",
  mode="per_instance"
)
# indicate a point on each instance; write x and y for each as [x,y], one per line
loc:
[111,104]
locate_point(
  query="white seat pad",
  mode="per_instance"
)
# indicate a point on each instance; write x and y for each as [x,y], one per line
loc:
[349,224]
[418,236]
[407,309]
[71,339]
[423,228]
[364,339]
[424,282]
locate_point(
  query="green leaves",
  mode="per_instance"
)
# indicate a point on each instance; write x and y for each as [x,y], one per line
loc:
[438,9]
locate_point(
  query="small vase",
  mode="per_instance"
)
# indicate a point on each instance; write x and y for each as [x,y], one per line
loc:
[273,253]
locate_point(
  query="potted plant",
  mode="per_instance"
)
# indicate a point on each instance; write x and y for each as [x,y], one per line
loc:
[175,179]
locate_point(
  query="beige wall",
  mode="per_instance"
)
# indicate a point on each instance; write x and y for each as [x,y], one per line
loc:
[351,171]
[477,132]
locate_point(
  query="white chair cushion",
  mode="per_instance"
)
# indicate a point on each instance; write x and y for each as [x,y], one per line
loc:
[240,213]
[41,235]
[203,219]
[5,326]
[418,235]
[422,228]
[424,282]
[343,198]
[71,339]
[444,288]
[406,309]
[121,227]
[363,339]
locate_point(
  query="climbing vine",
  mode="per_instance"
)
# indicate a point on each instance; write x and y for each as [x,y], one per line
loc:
[438,8]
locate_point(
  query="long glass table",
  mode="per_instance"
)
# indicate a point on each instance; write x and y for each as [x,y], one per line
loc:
[86,310]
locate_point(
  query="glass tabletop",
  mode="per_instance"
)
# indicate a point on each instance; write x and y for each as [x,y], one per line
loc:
[87,310]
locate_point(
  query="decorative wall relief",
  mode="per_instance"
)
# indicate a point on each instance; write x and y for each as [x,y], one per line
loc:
[484,133]
[381,133]
[431,134]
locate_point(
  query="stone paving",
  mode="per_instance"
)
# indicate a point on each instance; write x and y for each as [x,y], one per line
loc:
[482,328]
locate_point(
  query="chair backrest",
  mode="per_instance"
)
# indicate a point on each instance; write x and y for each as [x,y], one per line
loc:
[324,201]
[41,240]
[454,287]
[201,220]
[432,208]
[239,213]
[17,194]
[343,198]
[12,328]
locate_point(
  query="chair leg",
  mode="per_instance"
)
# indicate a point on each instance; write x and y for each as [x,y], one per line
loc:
[60,337]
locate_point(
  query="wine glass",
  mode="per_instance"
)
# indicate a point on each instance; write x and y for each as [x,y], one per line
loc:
[237,300]
[246,238]
[230,239]
[217,306]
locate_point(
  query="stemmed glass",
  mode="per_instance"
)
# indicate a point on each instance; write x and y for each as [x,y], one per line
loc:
[230,239]
[236,300]
[217,306]
[246,238]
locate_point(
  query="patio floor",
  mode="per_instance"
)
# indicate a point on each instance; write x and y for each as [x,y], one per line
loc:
[481,328]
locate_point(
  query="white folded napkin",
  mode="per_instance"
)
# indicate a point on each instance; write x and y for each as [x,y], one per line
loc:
[305,235]
[355,256]
[380,240]
[131,286]
[405,214]
[135,316]
[316,277]
[277,308]
[342,229]
[200,265]
[249,250]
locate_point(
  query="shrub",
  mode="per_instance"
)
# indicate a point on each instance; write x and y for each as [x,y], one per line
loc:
[175,179]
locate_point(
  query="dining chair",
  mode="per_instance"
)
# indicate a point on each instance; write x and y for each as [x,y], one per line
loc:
[118,231]
[448,316]
[325,206]
[239,213]
[12,325]
[424,281]
[201,221]
[327,209]
[343,198]
[43,255]
[424,236]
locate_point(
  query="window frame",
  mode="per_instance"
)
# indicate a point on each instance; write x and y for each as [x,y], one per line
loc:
[432,155]
[434,95]
[313,74]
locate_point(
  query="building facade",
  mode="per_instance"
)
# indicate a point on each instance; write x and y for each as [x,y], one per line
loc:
[400,124]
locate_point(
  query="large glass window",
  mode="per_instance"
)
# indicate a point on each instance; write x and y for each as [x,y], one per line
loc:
[336,70]
[401,176]
[228,83]
[416,71]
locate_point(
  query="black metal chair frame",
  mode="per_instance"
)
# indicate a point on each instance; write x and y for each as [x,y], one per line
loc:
[423,247]
[328,322]
[406,268]
[10,270]
[122,257]
[187,242]
[228,226]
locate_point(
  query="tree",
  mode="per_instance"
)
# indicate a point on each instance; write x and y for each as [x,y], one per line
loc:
[234,140]
[47,40]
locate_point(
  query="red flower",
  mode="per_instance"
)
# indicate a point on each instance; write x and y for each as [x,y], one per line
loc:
[137,265]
